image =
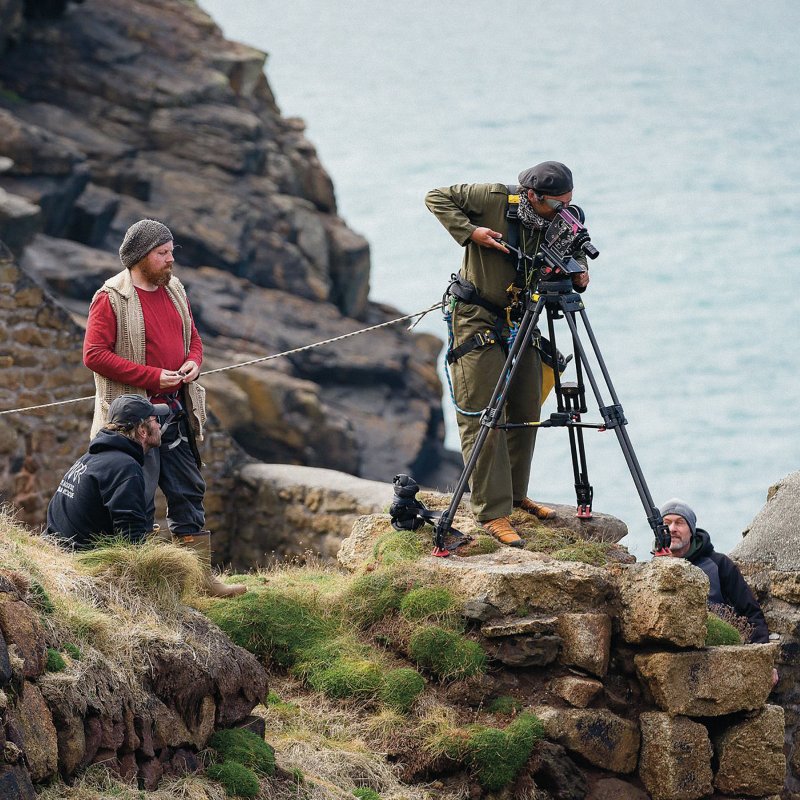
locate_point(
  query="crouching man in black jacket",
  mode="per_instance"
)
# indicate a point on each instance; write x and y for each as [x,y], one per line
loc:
[103,493]
[727,586]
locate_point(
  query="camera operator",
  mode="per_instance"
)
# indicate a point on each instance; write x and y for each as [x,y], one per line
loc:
[477,217]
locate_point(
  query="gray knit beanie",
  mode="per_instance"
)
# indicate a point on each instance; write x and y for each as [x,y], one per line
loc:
[140,239]
[676,506]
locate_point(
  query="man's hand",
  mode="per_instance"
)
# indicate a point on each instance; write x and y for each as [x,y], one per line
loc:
[581,280]
[189,371]
[169,379]
[486,237]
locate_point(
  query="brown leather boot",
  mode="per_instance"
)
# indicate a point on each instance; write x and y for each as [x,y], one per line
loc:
[537,509]
[201,544]
[501,529]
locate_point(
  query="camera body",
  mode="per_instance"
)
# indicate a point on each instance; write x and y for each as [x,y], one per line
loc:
[564,238]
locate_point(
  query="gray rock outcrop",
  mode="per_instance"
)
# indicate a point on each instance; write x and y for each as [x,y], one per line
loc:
[178,124]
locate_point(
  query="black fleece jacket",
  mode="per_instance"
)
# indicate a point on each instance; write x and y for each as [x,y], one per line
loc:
[102,493]
[728,587]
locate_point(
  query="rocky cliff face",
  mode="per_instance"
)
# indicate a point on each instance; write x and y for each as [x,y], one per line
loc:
[114,111]
[141,701]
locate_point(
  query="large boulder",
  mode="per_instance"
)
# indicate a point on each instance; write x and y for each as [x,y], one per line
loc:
[675,763]
[709,683]
[20,627]
[664,600]
[773,537]
[32,718]
[512,580]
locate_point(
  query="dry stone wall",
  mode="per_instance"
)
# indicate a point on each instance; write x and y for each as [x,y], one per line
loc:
[613,661]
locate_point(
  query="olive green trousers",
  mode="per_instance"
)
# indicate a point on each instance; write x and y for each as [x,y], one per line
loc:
[503,469]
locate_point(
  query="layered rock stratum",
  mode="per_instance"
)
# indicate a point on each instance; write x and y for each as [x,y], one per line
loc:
[115,111]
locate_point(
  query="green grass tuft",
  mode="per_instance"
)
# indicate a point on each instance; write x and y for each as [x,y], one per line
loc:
[271,625]
[481,544]
[496,755]
[40,600]
[55,661]
[426,602]
[346,678]
[399,546]
[373,596]
[72,651]
[400,689]
[446,654]
[246,748]
[365,793]
[719,632]
[586,552]
[505,705]
[236,779]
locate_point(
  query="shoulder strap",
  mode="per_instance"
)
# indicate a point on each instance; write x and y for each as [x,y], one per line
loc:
[511,214]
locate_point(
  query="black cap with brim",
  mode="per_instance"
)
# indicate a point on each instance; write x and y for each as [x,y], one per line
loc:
[129,410]
[550,178]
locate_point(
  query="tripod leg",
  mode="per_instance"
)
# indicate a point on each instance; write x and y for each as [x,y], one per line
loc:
[489,420]
[571,398]
[614,419]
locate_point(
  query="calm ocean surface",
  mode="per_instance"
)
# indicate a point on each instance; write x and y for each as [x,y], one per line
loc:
[681,123]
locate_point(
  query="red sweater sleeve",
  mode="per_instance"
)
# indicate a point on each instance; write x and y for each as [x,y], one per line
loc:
[195,345]
[98,349]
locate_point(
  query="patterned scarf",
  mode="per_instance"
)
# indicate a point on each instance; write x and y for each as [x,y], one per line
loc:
[527,216]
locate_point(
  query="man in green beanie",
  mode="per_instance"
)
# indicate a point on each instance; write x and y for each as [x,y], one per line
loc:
[141,339]
[476,216]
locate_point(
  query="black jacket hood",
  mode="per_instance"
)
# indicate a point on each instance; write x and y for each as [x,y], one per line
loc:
[111,440]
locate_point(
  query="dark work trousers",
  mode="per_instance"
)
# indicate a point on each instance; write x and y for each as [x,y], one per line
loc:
[174,470]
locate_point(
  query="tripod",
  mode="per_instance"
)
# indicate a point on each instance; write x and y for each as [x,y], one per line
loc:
[555,296]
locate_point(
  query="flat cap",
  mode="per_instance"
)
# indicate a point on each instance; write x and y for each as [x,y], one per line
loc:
[549,177]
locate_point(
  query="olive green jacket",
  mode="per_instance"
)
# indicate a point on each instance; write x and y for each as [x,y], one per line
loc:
[463,208]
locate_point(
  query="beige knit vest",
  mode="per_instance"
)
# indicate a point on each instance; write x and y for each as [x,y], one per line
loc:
[131,346]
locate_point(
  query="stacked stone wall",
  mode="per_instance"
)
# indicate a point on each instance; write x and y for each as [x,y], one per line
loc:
[613,661]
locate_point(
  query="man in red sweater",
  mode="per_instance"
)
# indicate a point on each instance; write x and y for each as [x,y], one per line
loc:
[141,339]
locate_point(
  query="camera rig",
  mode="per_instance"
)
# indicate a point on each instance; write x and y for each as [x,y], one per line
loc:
[551,270]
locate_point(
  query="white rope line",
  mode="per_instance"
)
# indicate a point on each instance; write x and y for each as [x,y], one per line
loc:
[419,314]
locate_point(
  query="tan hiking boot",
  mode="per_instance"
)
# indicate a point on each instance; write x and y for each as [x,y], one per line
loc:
[201,544]
[501,529]
[537,509]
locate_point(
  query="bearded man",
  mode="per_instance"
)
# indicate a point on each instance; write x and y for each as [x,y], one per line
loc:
[477,217]
[141,339]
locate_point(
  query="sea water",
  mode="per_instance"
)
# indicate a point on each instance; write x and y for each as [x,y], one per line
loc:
[681,123]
